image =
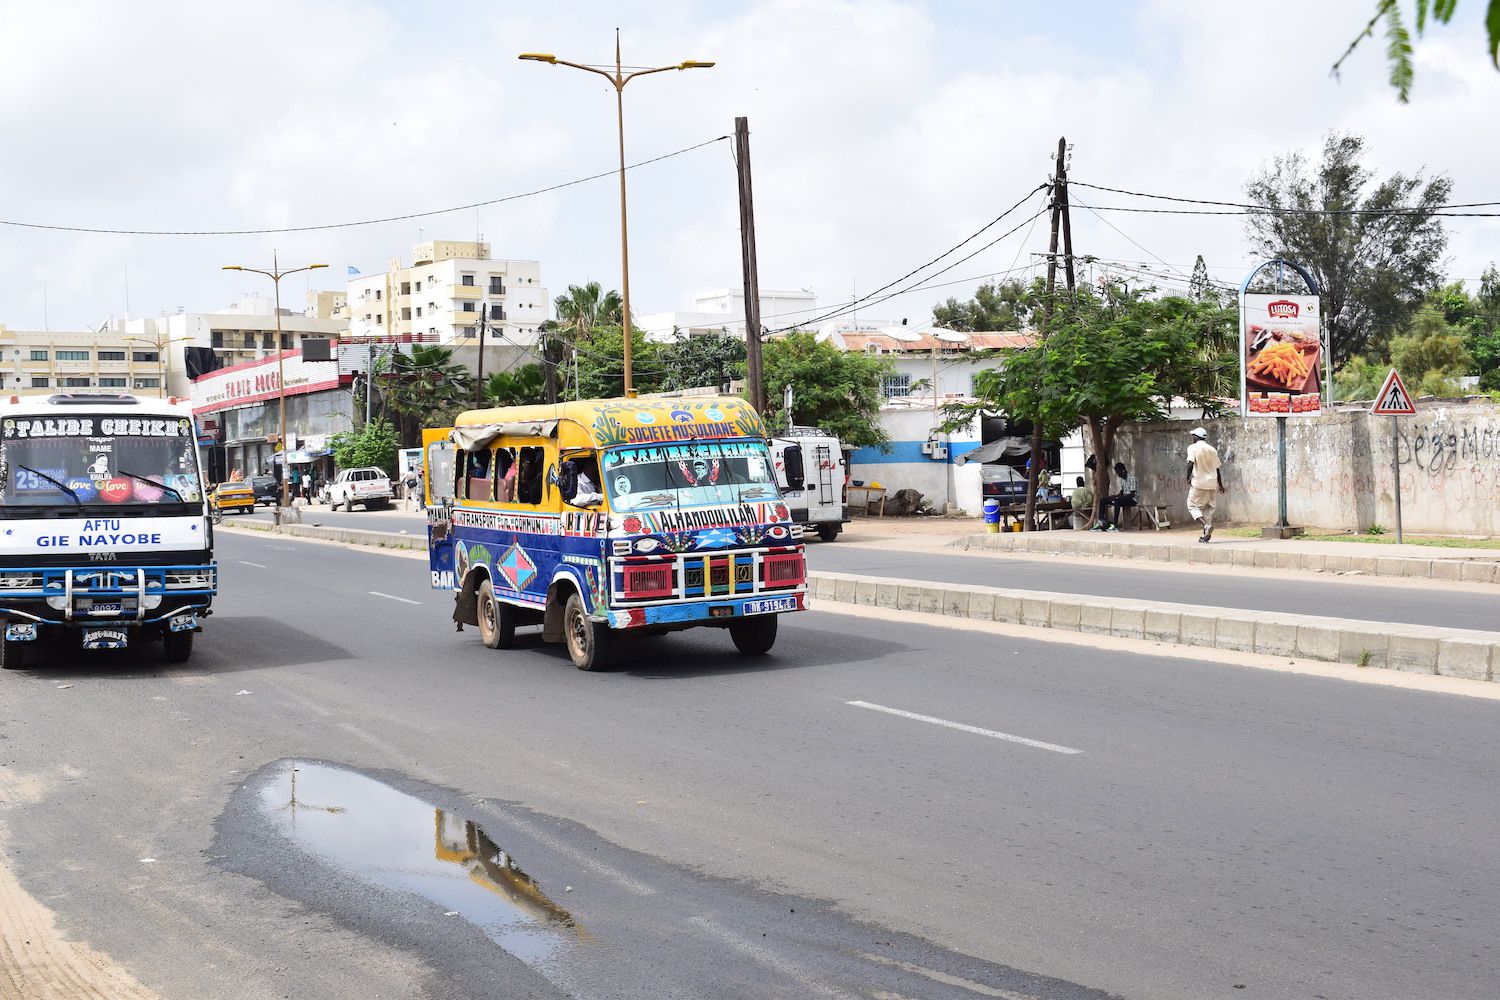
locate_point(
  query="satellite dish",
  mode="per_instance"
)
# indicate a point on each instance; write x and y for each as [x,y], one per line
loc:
[950,336]
[902,334]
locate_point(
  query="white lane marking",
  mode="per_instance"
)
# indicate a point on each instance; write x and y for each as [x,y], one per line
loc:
[961,727]
[947,980]
[392,597]
[256,565]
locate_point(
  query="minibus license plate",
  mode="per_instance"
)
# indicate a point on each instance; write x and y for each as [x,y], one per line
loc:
[770,606]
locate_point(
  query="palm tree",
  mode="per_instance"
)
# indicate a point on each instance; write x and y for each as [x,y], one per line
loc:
[586,307]
[426,388]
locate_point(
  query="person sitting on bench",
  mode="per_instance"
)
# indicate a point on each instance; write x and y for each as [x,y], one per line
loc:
[1127,497]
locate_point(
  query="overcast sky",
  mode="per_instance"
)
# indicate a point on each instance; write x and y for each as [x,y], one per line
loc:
[882,134]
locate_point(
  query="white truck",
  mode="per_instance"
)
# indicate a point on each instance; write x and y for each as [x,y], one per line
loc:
[106,540]
[811,472]
[369,487]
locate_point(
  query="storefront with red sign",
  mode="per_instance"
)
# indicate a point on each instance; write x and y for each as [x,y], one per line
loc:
[239,407]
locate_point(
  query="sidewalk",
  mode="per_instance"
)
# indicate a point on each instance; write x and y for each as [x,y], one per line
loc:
[1468,565]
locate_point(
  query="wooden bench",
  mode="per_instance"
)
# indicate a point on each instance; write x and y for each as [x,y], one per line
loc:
[863,498]
[1153,514]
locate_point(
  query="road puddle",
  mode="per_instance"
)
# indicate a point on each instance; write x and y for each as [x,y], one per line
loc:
[392,840]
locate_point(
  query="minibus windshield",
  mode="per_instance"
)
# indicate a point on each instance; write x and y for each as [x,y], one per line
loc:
[691,474]
[86,462]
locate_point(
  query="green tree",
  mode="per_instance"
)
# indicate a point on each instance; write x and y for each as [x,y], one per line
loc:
[1009,305]
[601,365]
[515,388]
[1482,334]
[585,307]
[1110,357]
[1431,354]
[1201,286]
[709,359]
[425,389]
[836,390]
[1375,255]
[1398,49]
[373,445]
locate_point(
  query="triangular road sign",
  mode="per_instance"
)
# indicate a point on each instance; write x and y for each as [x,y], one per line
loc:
[1393,400]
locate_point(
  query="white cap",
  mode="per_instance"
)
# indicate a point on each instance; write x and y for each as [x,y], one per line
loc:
[1199,432]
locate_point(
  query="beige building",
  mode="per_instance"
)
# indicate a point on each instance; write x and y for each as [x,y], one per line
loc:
[46,361]
[440,297]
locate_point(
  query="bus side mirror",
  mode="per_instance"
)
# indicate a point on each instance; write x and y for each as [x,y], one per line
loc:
[792,459]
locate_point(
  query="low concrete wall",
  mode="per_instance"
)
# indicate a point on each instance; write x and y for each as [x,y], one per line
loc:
[1339,470]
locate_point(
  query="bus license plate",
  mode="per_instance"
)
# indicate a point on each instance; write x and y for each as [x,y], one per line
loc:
[770,606]
[106,608]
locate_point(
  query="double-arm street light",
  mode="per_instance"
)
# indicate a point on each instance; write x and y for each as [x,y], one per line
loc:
[619,78]
[276,274]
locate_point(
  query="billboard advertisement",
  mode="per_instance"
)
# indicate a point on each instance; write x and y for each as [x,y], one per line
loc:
[1281,353]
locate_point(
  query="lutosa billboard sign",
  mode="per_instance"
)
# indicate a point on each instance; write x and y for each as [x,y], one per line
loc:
[1282,355]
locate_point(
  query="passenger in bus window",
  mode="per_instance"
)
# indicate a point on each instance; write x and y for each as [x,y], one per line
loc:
[529,478]
[481,487]
[505,491]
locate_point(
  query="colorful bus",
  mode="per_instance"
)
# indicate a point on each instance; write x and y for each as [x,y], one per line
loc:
[107,539]
[599,518]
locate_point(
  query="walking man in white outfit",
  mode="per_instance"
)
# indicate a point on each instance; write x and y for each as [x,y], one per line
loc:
[1205,480]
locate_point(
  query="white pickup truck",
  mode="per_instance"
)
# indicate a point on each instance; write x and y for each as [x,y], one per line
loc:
[370,487]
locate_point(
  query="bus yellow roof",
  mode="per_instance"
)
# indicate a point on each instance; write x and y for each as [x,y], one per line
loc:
[609,422]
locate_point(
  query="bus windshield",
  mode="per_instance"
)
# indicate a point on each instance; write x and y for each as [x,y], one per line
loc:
[93,461]
[693,474]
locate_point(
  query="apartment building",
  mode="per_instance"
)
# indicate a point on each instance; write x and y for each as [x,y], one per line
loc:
[724,309]
[439,298]
[244,331]
[46,361]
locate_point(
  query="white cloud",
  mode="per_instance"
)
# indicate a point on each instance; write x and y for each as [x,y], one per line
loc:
[882,132]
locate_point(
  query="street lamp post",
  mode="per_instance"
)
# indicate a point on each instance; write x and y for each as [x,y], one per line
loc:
[160,345]
[619,78]
[276,274]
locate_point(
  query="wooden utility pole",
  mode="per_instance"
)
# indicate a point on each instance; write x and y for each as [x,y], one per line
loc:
[1059,203]
[549,364]
[484,317]
[751,279]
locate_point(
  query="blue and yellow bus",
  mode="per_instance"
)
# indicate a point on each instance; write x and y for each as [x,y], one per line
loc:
[598,518]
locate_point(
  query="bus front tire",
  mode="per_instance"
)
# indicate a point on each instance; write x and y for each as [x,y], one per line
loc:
[754,636]
[176,647]
[497,620]
[587,640]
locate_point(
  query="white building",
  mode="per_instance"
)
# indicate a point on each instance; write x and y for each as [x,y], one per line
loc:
[724,310]
[438,299]
[922,356]
[46,361]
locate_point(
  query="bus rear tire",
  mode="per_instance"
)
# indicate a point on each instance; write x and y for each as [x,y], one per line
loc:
[754,636]
[12,655]
[176,647]
[497,620]
[588,641]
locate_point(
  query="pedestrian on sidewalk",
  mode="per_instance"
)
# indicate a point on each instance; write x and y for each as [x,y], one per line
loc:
[1083,505]
[410,485]
[1205,481]
[1127,497]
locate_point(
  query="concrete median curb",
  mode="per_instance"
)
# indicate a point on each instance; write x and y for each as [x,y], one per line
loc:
[349,536]
[1421,649]
[1062,543]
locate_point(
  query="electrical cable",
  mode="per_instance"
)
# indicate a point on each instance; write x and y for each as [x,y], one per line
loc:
[1298,211]
[365,222]
[870,295]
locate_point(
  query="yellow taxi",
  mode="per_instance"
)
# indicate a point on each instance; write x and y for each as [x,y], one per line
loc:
[233,496]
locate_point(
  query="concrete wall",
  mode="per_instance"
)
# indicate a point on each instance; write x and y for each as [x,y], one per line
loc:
[1339,470]
[904,466]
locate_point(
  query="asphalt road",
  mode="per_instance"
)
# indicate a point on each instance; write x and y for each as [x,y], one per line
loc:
[1451,607]
[699,825]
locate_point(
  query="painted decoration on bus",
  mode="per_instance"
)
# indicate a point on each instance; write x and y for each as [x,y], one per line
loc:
[663,421]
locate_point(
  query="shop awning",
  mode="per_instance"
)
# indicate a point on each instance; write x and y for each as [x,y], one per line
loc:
[994,451]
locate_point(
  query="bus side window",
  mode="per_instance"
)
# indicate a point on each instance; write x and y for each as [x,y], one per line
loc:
[481,487]
[505,475]
[529,478]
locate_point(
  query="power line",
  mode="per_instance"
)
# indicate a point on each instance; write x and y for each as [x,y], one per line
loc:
[870,295]
[1133,241]
[1263,209]
[365,222]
